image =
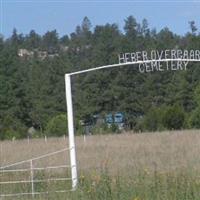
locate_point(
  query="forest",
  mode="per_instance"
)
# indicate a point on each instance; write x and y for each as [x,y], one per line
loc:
[32,87]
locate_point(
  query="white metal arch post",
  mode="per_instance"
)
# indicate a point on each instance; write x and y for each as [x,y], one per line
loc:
[70,107]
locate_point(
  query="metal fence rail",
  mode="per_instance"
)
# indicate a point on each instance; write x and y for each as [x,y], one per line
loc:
[31,170]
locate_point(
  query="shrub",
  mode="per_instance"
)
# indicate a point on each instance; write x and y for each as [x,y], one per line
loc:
[57,126]
[11,134]
[194,120]
[153,119]
[11,128]
[79,127]
[139,125]
[174,117]
[105,129]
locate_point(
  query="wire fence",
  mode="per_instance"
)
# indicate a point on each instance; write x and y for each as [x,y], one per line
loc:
[28,178]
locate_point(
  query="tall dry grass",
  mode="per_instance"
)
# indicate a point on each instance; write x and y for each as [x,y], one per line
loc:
[124,166]
[121,152]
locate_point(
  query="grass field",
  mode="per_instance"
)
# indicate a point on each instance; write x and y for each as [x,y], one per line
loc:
[147,166]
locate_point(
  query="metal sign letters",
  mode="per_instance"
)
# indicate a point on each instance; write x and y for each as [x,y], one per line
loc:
[165,60]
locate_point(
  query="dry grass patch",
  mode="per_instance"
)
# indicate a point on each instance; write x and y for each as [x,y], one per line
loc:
[126,166]
[166,151]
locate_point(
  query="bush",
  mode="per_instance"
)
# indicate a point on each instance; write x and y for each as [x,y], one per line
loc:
[139,125]
[11,134]
[11,128]
[194,120]
[105,129]
[57,126]
[153,119]
[174,117]
[80,129]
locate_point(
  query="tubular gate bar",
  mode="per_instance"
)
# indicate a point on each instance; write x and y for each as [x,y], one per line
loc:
[68,92]
[32,181]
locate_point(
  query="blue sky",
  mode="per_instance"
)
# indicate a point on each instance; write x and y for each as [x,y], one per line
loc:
[65,15]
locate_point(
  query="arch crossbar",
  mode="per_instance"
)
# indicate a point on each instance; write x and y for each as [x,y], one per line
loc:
[132,63]
[70,105]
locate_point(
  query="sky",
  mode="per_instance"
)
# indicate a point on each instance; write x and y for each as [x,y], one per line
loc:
[65,15]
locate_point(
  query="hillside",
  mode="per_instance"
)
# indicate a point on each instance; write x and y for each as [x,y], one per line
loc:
[32,69]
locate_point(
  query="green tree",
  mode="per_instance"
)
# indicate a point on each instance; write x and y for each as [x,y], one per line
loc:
[86,25]
[145,28]
[57,126]
[33,40]
[153,119]
[32,90]
[16,39]
[130,27]
[50,41]
[193,27]
[174,117]
[11,128]
[194,120]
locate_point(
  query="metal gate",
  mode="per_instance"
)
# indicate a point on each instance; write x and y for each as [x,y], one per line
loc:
[26,177]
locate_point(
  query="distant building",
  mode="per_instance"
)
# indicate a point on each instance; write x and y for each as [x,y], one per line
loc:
[64,48]
[25,53]
[53,55]
[41,54]
[117,118]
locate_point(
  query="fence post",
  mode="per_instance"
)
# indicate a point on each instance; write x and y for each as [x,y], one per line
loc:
[84,138]
[32,178]
[45,139]
[71,131]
